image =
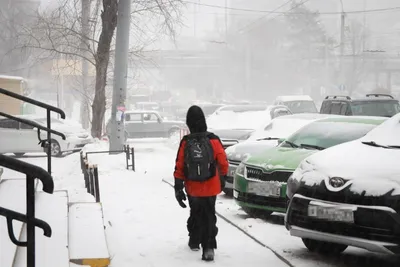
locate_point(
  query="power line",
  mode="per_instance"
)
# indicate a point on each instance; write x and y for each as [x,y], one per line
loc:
[264,16]
[297,13]
[295,6]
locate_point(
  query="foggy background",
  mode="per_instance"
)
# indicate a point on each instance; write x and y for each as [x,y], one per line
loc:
[224,50]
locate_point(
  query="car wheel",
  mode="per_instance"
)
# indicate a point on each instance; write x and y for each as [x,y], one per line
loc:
[19,154]
[256,213]
[228,192]
[323,247]
[172,132]
[55,149]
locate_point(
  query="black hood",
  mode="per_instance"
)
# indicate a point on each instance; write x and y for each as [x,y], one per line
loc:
[195,120]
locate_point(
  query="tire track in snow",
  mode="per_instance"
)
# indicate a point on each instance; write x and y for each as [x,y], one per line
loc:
[279,256]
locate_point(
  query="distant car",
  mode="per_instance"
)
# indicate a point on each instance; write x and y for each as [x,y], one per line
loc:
[260,180]
[371,105]
[234,124]
[262,139]
[20,138]
[297,103]
[148,124]
[349,195]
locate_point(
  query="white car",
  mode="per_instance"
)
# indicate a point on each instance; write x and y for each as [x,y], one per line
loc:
[20,138]
[349,194]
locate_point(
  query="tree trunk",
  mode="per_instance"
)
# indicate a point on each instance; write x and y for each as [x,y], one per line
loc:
[102,58]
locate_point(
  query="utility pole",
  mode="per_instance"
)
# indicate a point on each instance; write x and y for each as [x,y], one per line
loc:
[342,30]
[85,65]
[117,138]
[226,21]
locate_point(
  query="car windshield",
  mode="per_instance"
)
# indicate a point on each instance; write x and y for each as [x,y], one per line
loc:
[301,106]
[327,134]
[280,128]
[375,108]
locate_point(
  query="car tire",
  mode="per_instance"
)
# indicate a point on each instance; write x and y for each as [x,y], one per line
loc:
[19,154]
[256,213]
[228,192]
[323,247]
[172,132]
[55,149]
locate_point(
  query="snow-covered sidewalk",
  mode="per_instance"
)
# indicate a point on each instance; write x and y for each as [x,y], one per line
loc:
[146,227]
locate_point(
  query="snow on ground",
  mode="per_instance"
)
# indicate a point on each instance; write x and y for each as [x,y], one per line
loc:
[146,227]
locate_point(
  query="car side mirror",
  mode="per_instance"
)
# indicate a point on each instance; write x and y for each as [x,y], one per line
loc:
[281,140]
[159,120]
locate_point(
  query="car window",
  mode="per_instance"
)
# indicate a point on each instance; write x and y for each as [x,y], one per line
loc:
[150,117]
[336,108]
[9,124]
[327,134]
[24,126]
[326,107]
[376,108]
[132,117]
[343,109]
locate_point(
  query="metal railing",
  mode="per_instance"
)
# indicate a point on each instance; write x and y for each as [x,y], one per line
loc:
[49,109]
[32,172]
[91,172]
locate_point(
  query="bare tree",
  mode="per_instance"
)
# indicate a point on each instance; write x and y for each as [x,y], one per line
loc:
[57,34]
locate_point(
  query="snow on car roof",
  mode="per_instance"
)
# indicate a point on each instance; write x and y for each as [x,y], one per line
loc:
[294,98]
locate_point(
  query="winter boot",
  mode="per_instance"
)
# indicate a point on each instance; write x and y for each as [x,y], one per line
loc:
[193,245]
[208,254]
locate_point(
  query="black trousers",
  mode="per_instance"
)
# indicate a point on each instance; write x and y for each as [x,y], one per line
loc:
[202,222]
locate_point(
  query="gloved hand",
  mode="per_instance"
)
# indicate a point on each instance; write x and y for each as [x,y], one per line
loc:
[223,182]
[179,194]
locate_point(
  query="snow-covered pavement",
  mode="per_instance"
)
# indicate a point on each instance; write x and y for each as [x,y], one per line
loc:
[146,227]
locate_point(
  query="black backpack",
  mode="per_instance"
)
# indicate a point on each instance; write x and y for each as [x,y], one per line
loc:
[200,164]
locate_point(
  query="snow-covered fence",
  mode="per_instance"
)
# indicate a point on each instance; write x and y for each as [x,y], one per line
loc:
[91,177]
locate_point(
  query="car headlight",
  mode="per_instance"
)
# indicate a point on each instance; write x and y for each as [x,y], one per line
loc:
[241,170]
[292,186]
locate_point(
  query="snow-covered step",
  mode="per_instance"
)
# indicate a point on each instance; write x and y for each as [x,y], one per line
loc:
[87,240]
[12,197]
[53,251]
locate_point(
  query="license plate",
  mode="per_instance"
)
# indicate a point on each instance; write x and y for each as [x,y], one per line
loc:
[235,194]
[265,189]
[331,214]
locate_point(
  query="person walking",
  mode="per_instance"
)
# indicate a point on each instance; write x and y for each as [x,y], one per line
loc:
[201,168]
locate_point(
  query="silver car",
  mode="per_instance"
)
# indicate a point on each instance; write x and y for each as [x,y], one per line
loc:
[147,124]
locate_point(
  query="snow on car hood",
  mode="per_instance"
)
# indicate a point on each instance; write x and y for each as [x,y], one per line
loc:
[372,171]
[232,134]
[247,149]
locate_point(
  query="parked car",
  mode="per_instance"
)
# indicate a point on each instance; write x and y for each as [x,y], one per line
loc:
[264,138]
[236,123]
[352,200]
[145,124]
[371,105]
[20,138]
[260,181]
[297,103]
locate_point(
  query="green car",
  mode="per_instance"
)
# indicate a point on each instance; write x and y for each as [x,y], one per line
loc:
[260,181]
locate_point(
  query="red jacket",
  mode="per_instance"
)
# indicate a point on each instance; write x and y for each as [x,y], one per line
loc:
[211,187]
